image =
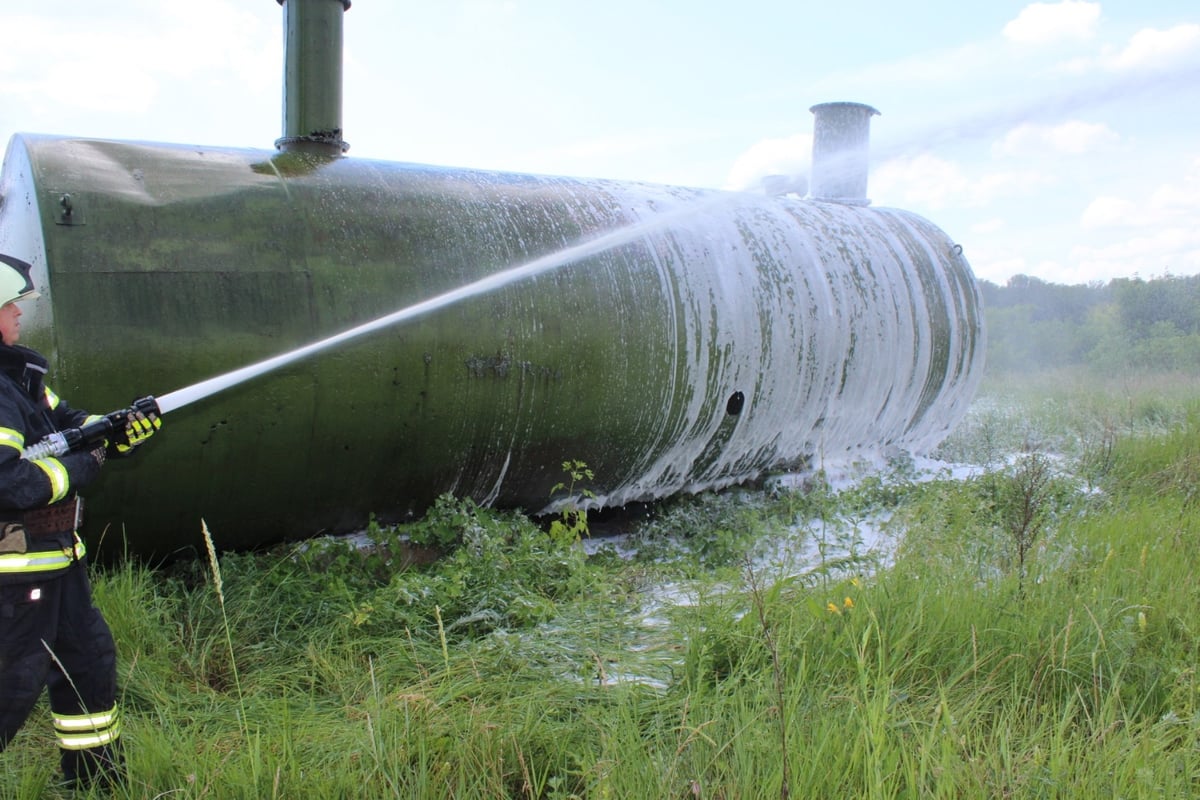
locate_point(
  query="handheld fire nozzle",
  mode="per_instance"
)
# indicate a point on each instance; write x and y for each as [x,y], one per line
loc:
[93,434]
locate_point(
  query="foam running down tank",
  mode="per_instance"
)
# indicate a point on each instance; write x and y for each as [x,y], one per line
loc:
[720,336]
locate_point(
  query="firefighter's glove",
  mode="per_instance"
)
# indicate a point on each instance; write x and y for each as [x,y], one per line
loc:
[138,428]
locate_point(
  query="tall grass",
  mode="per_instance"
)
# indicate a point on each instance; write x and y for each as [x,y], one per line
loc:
[517,668]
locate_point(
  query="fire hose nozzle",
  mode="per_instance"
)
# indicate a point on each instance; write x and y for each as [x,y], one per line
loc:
[88,436]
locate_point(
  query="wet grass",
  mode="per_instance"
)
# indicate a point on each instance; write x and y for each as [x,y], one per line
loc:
[1032,633]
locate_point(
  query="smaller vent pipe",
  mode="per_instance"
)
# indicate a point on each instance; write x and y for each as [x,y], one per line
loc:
[841,139]
[312,76]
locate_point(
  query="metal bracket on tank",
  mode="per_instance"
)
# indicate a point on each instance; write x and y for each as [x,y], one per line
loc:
[67,209]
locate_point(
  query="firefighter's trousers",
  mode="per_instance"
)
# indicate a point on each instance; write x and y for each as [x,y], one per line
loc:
[52,636]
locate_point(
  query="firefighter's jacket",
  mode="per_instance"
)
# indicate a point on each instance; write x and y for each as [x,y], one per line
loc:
[29,411]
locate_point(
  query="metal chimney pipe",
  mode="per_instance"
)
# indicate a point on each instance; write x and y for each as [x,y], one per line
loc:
[312,76]
[841,139]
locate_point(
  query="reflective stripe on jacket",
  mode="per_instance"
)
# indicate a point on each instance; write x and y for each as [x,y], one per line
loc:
[30,411]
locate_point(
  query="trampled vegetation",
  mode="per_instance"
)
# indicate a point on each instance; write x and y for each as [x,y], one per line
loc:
[1028,631]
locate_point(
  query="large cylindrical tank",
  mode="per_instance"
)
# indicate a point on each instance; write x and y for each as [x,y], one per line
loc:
[743,334]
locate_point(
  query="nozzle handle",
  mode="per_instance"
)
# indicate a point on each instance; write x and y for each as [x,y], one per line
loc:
[90,435]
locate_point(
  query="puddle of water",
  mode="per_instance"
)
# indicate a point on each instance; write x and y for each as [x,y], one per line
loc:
[847,545]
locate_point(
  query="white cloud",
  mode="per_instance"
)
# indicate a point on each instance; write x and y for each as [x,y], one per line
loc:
[790,155]
[993,225]
[1068,138]
[1013,183]
[1149,234]
[1108,212]
[933,183]
[1148,50]
[1045,23]
[1174,250]
[923,180]
[1179,200]
[1171,204]
[1151,48]
[94,64]
[997,268]
[1077,273]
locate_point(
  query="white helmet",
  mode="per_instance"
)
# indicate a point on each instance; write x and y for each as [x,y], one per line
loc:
[15,281]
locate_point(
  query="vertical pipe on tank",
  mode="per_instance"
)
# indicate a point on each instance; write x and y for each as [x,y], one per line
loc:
[312,76]
[841,137]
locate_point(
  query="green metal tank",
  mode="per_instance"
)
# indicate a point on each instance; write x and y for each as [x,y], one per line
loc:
[731,334]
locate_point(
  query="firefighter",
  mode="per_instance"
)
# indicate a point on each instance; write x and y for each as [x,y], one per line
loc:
[51,636]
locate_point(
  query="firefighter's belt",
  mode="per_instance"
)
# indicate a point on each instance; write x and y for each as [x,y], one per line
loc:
[65,515]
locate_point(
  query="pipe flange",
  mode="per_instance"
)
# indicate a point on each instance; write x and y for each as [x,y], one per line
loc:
[345,4]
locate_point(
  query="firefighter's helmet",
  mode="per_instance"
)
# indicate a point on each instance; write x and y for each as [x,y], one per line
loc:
[15,280]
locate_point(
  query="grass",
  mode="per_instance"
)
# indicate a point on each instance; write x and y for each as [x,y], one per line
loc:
[1026,638]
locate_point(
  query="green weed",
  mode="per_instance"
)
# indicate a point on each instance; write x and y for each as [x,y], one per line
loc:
[1033,634]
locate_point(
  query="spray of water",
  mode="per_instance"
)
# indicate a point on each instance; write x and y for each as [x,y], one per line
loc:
[1167,84]
[590,247]
[1176,85]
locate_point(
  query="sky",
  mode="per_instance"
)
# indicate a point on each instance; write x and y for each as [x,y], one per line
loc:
[1056,140]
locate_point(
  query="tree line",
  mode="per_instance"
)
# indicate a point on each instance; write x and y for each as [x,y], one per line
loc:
[1126,324]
